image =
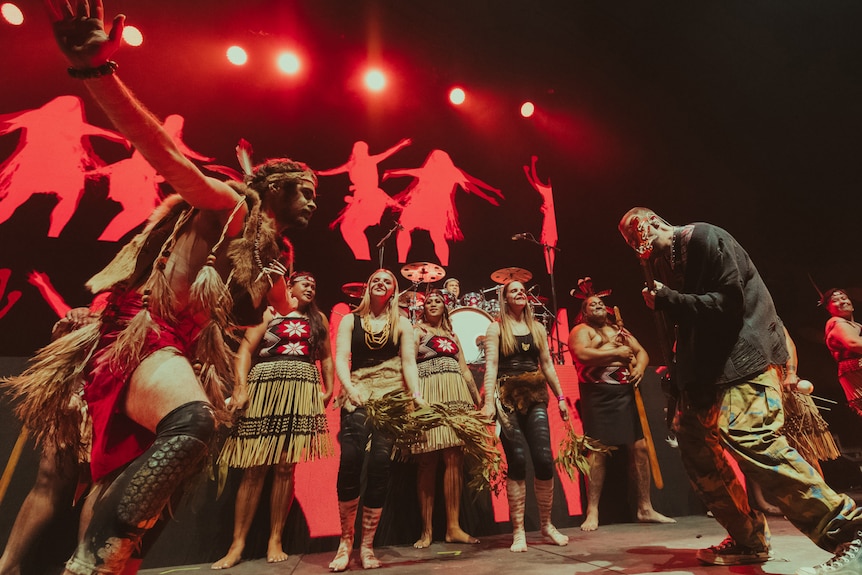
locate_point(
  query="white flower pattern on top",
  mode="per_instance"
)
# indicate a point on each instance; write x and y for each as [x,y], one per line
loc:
[444,345]
[294,348]
[286,336]
[293,328]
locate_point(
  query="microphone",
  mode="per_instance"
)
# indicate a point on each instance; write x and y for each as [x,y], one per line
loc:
[530,291]
[522,236]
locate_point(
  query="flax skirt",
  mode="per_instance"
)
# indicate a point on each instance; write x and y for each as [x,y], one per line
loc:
[284,415]
[440,381]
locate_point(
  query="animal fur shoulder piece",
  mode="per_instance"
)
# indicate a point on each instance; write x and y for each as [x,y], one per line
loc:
[124,264]
[259,229]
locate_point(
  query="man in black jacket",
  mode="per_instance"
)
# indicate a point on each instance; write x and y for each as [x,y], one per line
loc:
[729,343]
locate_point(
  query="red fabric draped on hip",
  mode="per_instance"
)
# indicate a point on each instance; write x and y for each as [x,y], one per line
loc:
[117,440]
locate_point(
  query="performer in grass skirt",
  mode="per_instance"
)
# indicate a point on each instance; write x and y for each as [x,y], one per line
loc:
[444,378]
[806,430]
[281,404]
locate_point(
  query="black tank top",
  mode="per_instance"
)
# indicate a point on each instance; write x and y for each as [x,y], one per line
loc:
[364,356]
[524,360]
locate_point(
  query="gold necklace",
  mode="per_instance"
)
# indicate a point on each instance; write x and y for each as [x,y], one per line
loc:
[375,340]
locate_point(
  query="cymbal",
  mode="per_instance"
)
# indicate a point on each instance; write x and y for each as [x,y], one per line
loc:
[506,275]
[537,299]
[410,298]
[353,289]
[423,272]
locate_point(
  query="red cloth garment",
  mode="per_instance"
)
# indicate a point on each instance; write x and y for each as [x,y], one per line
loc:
[117,440]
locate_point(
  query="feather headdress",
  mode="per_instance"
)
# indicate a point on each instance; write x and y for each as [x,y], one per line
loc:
[585,289]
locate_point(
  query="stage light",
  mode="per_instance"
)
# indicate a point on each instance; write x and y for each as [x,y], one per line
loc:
[12,14]
[288,62]
[132,36]
[527,109]
[375,80]
[237,56]
[457,96]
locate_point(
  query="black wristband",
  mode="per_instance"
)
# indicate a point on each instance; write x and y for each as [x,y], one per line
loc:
[105,69]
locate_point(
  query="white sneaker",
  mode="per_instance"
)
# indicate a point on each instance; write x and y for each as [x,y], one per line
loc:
[847,561]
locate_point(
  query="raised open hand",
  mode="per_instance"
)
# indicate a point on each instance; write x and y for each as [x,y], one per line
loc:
[80,31]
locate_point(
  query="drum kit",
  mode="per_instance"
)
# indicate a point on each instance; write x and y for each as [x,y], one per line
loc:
[471,314]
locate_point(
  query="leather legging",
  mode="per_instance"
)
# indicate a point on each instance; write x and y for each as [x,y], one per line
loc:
[353,436]
[528,432]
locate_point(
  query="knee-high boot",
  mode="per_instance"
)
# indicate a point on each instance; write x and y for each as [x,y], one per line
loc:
[132,503]
[347,513]
[517,494]
[545,500]
[370,520]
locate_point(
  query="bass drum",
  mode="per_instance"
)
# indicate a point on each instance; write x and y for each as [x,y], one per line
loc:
[470,325]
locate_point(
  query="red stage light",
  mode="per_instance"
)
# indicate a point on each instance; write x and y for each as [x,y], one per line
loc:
[132,36]
[237,56]
[527,109]
[12,14]
[457,96]
[288,62]
[375,80]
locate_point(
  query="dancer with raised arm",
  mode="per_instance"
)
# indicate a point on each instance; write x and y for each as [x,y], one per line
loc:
[156,364]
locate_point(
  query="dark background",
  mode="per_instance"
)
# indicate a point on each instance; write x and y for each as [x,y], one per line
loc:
[744,114]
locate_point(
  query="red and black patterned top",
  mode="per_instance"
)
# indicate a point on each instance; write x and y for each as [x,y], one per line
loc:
[286,338]
[431,346]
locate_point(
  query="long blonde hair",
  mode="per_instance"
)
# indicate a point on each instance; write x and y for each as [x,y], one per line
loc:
[393,313]
[508,344]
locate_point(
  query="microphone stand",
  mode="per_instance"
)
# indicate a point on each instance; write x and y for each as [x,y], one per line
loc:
[380,244]
[556,354]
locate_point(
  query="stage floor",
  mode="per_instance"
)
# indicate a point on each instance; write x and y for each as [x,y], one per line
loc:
[629,549]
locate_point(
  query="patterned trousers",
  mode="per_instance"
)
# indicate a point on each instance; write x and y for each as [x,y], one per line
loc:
[746,421]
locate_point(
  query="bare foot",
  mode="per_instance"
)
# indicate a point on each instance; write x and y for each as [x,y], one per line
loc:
[342,556]
[234,556]
[652,516]
[369,561]
[460,536]
[519,542]
[423,541]
[551,532]
[591,523]
[275,553]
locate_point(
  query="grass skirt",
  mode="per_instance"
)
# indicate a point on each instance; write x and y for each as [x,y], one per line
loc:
[284,415]
[441,382]
[806,430]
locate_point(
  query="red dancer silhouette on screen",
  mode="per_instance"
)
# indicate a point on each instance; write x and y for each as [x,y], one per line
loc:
[368,202]
[135,184]
[11,296]
[549,216]
[51,158]
[429,202]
